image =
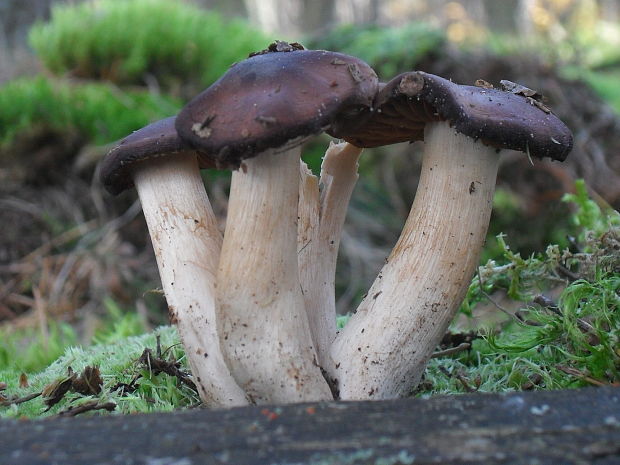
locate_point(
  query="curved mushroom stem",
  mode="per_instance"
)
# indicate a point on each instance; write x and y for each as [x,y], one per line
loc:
[264,329]
[384,348]
[321,222]
[187,245]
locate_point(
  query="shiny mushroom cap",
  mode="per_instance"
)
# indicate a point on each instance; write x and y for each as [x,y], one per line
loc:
[498,118]
[156,140]
[275,99]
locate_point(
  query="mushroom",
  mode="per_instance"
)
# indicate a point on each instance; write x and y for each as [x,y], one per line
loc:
[384,348]
[186,241]
[321,219]
[254,118]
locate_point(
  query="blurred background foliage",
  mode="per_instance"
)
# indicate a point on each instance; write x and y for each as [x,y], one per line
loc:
[174,44]
[98,111]
[86,73]
[388,50]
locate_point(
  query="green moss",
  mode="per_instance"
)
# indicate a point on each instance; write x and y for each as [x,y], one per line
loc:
[119,363]
[100,113]
[28,351]
[557,348]
[130,42]
[568,343]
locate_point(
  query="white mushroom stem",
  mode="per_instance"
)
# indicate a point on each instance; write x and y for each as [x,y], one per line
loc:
[383,350]
[308,216]
[187,245]
[264,329]
[321,222]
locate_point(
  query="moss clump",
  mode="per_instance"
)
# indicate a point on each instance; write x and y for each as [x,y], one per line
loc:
[127,381]
[100,113]
[130,42]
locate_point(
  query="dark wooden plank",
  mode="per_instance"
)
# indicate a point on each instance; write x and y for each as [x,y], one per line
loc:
[563,427]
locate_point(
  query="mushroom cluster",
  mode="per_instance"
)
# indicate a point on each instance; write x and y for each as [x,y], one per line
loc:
[255,309]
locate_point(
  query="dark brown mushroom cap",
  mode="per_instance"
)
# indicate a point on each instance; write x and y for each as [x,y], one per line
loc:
[274,99]
[497,118]
[156,140]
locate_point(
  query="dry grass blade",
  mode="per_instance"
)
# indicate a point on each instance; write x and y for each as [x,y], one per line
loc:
[89,406]
[584,376]
[67,270]
[452,350]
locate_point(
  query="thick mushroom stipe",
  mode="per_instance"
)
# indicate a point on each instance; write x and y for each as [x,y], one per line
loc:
[263,329]
[384,348]
[322,218]
[186,240]
[187,243]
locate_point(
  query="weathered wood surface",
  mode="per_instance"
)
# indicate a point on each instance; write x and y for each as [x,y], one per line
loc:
[561,427]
